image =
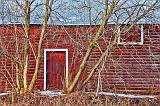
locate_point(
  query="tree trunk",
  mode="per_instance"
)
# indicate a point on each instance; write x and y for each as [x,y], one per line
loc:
[42,36]
[26,47]
[104,54]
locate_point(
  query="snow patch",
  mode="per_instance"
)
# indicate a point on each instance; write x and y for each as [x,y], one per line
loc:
[2,94]
[127,95]
[51,93]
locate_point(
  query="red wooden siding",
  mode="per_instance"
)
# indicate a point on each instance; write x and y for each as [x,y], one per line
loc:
[129,67]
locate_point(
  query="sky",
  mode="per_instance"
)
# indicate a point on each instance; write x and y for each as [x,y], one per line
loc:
[68,12]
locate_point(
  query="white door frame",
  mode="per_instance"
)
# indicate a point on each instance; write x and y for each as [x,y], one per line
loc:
[45,64]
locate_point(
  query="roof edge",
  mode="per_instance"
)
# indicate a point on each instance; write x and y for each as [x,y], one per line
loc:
[19,25]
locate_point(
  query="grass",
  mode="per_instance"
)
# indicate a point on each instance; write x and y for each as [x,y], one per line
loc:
[74,99]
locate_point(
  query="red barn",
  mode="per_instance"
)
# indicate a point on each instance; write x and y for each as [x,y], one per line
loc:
[133,65]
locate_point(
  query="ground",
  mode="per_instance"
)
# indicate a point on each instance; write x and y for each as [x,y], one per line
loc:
[76,99]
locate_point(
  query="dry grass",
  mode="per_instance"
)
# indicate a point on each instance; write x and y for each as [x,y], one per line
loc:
[74,99]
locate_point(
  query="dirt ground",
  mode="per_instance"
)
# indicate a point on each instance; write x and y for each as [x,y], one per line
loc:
[74,99]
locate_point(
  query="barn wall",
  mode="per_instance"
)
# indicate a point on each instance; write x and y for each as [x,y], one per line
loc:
[129,67]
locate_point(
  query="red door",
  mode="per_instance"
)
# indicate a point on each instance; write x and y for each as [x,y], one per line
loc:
[56,66]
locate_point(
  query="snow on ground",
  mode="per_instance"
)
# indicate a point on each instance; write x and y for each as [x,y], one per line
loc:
[2,94]
[51,93]
[126,95]
[56,93]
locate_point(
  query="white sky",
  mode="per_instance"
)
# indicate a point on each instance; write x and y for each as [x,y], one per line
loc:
[64,12]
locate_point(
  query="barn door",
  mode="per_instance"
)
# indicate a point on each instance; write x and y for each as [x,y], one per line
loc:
[56,69]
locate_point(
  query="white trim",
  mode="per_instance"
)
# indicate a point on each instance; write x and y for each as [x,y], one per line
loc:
[45,69]
[132,43]
[67,77]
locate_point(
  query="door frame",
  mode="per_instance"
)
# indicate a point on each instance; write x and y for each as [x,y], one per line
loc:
[45,64]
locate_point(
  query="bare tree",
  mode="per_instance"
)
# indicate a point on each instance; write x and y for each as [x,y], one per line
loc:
[116,12]
[22,85]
